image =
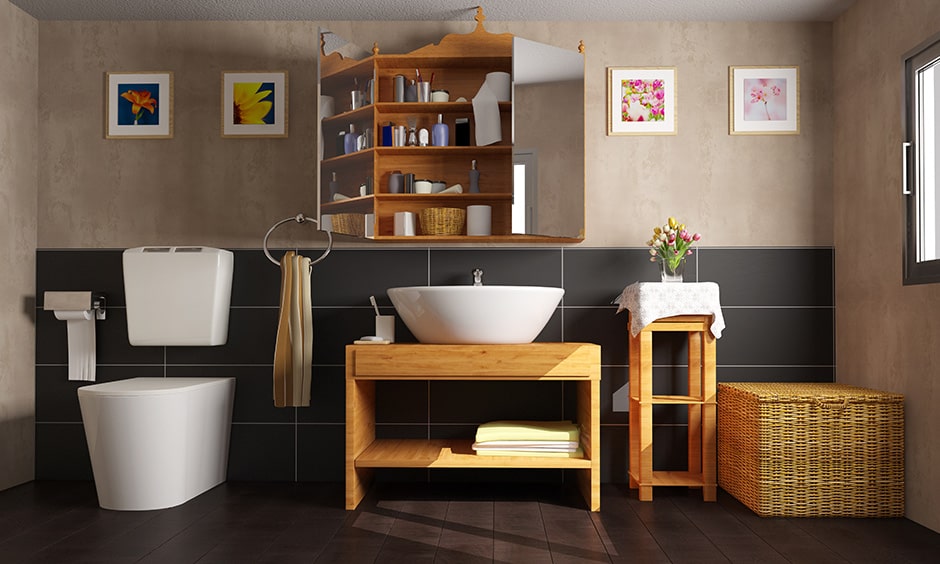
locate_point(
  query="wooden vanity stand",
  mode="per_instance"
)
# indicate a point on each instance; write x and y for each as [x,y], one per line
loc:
[526,362]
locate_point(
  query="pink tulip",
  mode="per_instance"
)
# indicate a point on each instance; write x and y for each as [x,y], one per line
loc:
[696,237]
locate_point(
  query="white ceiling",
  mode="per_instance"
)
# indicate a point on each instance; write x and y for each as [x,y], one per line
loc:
[404,10]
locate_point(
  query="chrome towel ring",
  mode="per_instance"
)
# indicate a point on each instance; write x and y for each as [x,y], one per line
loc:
[299,218]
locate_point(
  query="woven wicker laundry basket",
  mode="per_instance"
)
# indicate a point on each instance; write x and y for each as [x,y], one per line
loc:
[812,449]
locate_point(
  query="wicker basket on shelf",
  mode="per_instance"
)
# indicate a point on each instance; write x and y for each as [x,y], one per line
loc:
[349,224]
[442,221]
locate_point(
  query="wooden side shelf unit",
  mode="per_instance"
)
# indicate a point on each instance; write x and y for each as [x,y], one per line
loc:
[701,402]
[365,364]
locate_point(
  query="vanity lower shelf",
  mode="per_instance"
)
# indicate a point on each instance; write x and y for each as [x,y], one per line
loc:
[455,453]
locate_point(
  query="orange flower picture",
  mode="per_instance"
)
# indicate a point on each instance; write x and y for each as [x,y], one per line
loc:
[139,105]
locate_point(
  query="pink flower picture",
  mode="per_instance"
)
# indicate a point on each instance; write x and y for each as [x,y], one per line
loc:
[642,100]
[765,99]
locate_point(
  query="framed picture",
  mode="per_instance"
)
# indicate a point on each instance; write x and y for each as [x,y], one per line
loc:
[138,105]
[254,104]
[764,100]
[641,101]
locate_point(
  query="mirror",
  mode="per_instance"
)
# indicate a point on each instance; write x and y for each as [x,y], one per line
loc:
[547,139]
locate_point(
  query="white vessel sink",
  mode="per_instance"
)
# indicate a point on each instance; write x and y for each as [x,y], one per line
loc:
[475,314]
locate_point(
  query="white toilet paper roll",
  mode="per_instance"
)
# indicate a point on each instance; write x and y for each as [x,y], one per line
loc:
[479,221]
[81,331]
[327,106]
[404,224]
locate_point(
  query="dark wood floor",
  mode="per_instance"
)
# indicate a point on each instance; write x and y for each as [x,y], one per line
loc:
[60,522]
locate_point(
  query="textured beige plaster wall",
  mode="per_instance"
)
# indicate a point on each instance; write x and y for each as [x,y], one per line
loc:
[199,188]
[19,67]
[887,335]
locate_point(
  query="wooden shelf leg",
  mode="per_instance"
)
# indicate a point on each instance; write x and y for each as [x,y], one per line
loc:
[360,433]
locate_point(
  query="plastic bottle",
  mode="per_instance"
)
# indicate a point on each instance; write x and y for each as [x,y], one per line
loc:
[440,133]
[474,178]
[351,140]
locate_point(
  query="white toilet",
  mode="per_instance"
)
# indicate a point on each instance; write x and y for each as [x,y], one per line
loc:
[159,442]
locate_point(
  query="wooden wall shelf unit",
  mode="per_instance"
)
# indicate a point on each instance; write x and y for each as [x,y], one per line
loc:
[459,63]
[701,402]
[365,364]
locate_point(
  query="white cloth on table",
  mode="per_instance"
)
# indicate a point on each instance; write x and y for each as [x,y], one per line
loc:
[649,301]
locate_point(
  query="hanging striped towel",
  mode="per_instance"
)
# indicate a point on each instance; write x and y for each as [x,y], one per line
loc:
[293,350]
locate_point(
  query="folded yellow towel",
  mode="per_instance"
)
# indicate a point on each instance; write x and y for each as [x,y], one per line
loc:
[538,453]
[528,431]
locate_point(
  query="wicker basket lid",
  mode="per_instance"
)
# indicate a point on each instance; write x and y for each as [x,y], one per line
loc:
[810,392]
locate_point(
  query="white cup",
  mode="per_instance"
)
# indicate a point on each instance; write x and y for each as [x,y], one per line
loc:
[370,225]
[326,222]
[405,224]
[385,327]
[479,221]
[422,186]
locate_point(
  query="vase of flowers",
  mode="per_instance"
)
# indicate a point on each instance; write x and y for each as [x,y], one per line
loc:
[670,246]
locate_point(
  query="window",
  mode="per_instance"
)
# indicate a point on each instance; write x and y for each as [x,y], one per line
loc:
[920,158]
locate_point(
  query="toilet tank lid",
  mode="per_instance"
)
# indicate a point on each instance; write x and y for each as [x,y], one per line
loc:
[177,249]
[149,386]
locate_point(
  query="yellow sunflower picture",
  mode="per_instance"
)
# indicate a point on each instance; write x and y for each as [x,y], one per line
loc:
[254,104]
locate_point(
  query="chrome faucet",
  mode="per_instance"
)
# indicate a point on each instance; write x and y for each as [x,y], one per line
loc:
[477,277]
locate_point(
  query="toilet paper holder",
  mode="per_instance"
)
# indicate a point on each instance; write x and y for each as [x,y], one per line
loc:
[75,301]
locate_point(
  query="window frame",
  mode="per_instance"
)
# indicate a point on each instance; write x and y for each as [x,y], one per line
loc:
[914,272]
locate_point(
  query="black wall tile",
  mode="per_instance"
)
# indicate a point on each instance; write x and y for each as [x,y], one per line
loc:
[336,327]
[784,336]
[615,462]
[614,381]
[349,276]
[262,452]
[776,374]
[479,402]
[321,453]
[770,277]
[327,396]
[595,277]
[62,452]
[601,325]
[79,270]
[506,267]
[401,402]
[256,281]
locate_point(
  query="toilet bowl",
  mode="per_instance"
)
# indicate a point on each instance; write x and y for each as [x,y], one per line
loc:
[157,442]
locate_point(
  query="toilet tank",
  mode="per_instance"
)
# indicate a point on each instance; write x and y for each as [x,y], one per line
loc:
[177,296]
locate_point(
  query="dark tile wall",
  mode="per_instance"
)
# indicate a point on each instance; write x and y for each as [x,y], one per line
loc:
[777,303]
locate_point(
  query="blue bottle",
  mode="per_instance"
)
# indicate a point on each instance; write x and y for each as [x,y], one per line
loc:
[351,140]
[440,133]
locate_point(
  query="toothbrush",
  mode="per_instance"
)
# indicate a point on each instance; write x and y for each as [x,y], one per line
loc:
[418,74]
[374,305]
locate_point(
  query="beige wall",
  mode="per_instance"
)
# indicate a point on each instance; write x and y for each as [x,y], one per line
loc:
[199,188]
[19,67]
[887,335]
